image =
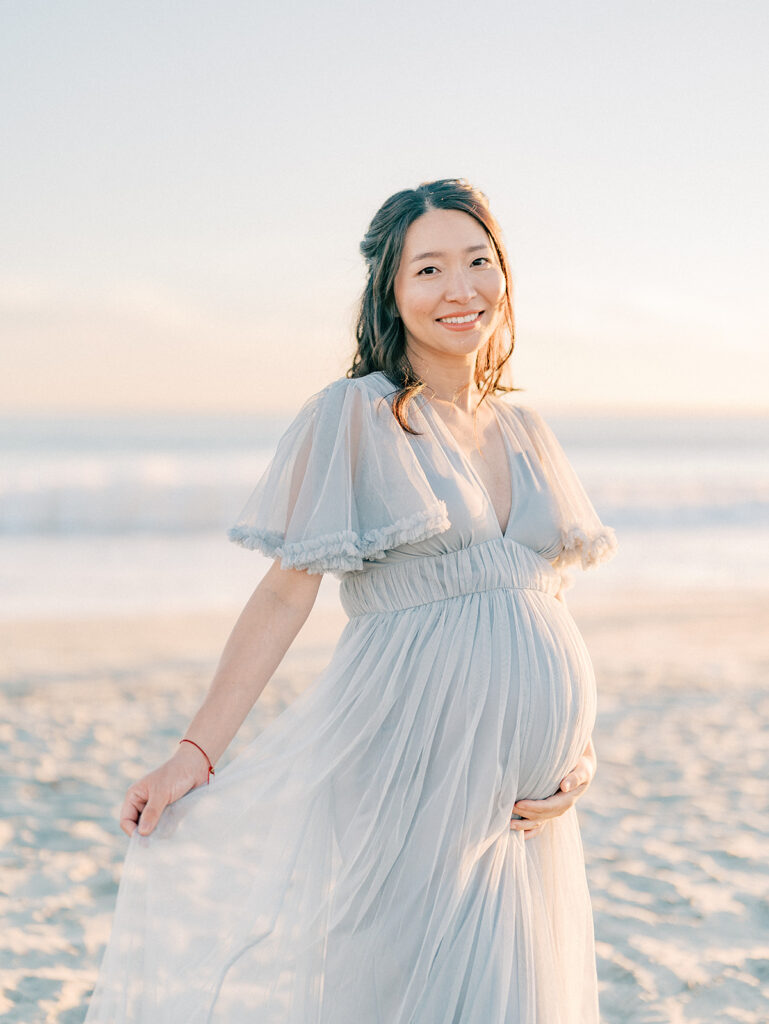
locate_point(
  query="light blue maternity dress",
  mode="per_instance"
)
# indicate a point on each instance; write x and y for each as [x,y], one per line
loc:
[355,864]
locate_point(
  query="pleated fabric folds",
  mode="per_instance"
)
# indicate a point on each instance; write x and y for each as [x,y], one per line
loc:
[355,862]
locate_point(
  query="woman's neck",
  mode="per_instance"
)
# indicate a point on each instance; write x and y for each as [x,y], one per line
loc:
[452,385]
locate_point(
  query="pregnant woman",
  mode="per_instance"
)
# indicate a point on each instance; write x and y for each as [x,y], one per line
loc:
[401,844]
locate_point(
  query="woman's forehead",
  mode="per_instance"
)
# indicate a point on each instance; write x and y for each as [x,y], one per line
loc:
[443,230]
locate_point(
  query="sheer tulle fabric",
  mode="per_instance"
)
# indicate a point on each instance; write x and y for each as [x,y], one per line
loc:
[344,486]
[355,862]
[348,484]
[585,539]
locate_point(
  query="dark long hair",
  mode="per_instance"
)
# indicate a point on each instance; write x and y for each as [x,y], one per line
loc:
[381,339]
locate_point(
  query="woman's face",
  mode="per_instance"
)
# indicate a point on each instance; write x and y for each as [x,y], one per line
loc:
[449,270]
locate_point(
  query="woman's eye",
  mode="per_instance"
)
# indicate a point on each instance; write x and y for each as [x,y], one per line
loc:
[425,270]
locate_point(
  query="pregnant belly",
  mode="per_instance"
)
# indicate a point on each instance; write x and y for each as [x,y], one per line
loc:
[551,696]
[440,716]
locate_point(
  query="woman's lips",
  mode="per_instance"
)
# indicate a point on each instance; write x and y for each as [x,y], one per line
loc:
[469,325]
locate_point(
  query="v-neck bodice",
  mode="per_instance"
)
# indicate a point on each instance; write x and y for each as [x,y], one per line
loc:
[533,516]
[442,427]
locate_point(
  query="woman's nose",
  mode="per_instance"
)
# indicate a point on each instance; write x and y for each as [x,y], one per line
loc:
[459,287]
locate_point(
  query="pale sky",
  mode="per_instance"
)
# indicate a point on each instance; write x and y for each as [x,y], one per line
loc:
[185,184]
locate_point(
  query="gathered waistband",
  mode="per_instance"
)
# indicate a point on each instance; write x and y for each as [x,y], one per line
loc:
[496,564]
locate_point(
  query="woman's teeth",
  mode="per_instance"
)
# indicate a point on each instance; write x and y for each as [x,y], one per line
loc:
[459,319]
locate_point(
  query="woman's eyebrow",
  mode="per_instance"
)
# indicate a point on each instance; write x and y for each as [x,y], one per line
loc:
[431,255]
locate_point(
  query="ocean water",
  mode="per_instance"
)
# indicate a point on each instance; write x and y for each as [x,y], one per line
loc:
[108,515]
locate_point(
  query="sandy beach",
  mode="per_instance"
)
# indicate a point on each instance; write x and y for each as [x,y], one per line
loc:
[675,825]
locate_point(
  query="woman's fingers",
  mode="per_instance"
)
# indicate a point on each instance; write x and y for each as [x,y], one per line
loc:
[150,815]
[572,787]
[146,799]
[128,825]
[134,803]
[579,777]
[529,828]
[551,806]
[538,810]
[142,808]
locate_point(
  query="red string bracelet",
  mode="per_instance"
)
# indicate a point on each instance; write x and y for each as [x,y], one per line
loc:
[205,755]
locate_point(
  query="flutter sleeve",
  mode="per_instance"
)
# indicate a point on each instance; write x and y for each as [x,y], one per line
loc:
[344,486]
[586,540]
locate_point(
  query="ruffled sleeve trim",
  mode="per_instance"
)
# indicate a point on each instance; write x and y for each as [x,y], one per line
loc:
[346,550]
[587,550]
[586,541]
[343,487]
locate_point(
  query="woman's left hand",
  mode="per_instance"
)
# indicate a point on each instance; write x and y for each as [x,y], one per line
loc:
[535,813]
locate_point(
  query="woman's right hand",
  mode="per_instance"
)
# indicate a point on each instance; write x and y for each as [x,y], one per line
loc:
[146,799]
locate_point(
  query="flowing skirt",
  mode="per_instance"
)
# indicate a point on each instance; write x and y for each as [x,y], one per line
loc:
[355,864]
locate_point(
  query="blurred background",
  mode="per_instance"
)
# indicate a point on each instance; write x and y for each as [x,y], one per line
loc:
[184,187]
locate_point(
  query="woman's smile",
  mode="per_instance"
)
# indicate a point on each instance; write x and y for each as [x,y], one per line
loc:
[461,321]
